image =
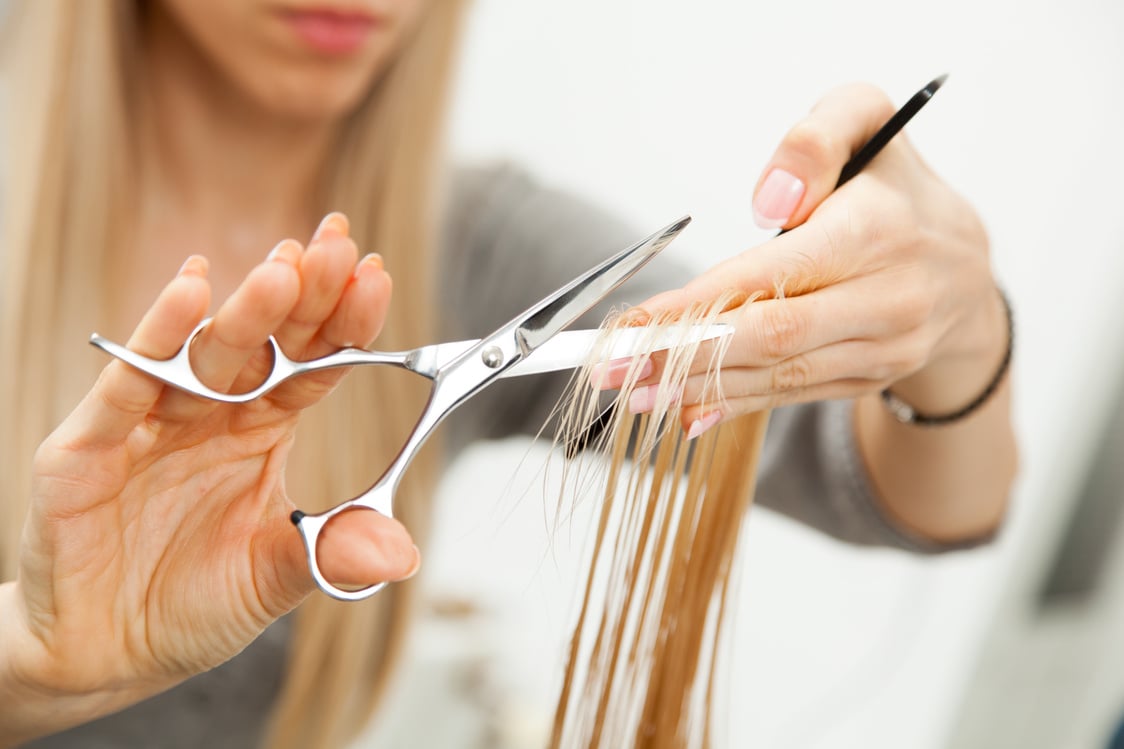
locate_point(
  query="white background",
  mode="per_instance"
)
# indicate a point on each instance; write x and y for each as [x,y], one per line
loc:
[656,108]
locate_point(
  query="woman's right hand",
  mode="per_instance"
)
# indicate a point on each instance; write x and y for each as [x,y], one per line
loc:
[158,543]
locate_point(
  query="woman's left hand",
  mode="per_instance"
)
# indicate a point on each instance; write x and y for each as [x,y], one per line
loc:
[885,282]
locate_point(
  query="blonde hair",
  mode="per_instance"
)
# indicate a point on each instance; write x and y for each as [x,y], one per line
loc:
[644,654]
[68,75]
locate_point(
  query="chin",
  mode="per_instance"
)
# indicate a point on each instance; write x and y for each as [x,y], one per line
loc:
[311,96]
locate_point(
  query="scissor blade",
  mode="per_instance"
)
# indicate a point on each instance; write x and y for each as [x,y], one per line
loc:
[542,321]
[572,348]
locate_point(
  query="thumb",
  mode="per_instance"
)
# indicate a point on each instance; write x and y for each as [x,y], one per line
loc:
[805,167]
[364,547]
[356,548]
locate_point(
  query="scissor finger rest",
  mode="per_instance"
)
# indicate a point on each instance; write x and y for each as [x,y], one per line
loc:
[178,372]
[311,526]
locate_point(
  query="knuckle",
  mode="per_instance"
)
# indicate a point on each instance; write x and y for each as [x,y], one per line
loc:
[886,372]
[781,398]
[886,369]
[120,400]
[350,250]
[322,386]
[872,98]
[336,243]
[807,140]
[909,312]
[45,457]
[896,214]
[912,306]
[880,366]
[916,355]
[883,217]
[882,373]
[781,331]
[914,310]
[907,357]
[791,374]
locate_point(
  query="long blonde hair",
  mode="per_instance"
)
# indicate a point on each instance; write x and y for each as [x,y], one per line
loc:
[646,648]
[68,75]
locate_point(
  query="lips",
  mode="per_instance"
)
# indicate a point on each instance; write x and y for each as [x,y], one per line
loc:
[331,32]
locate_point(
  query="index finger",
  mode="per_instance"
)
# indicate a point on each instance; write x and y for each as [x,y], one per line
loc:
[123,396]
[788,265]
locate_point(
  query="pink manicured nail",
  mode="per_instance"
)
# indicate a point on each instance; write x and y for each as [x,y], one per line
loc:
[643,399]
[699,426]
[610,375]
[777,199]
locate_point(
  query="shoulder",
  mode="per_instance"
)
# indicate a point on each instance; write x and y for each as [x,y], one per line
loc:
[508,238]
[491,203]
[472,186]
[478,199]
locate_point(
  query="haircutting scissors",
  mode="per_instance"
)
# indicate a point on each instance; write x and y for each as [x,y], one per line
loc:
[530,343]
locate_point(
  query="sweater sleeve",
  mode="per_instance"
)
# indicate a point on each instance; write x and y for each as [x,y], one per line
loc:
[509,241]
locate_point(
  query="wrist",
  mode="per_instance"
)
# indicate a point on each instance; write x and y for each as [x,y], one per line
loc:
[954,385]
[29,705]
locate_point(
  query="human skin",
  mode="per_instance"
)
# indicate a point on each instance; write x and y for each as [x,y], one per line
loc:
[238,117]
[887,284]
[158,542]
[136,571]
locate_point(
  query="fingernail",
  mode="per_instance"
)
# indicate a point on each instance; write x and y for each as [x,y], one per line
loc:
[777,199]
[643,399]
[275,253]
[374,259]
[196,265]
[635,317]
[699,426]
[610,375]
[414,569]
[334,224]
[736,299]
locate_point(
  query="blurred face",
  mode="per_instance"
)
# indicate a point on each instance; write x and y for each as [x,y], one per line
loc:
[303,58]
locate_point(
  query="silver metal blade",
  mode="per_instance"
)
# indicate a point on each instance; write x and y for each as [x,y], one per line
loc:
[542,321]
[571,348]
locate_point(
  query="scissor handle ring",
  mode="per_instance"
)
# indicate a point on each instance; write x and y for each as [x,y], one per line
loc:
[178,372]
[310,527]
[279,371]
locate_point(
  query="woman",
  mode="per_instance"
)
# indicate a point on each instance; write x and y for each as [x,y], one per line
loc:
[157,544]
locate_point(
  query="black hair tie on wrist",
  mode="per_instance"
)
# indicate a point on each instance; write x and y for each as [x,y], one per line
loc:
[907,414]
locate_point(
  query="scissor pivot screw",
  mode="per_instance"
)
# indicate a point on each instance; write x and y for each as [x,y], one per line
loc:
[492,357]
